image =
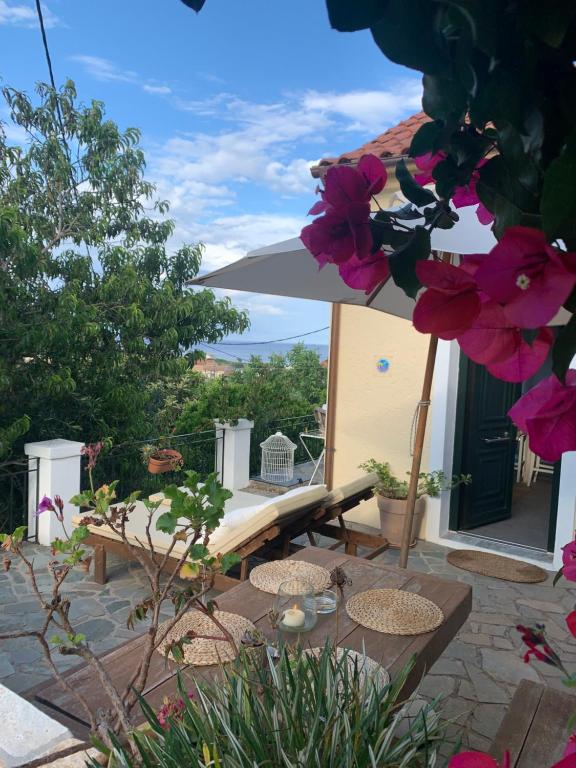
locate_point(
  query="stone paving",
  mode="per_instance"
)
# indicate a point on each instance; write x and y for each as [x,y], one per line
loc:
[477,674]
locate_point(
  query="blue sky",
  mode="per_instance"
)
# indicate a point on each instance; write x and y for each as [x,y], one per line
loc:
[234,104]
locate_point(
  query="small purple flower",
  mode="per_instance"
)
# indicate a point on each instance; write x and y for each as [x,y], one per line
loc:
[46,505]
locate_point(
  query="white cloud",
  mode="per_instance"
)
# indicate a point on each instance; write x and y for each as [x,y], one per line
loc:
[368,110]
[107,71]
[162,90]
[24,15]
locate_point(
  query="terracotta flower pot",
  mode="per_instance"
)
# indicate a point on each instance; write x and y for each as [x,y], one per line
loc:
[166,460]
[392,513]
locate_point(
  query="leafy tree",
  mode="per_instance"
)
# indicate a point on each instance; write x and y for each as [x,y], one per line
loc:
[284,387]
[93,302]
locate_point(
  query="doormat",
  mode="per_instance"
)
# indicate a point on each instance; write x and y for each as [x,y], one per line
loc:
[496,566]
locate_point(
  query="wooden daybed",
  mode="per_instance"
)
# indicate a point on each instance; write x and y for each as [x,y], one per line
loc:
[267,529]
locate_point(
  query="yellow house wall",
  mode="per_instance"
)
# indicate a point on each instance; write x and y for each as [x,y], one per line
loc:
[373,411]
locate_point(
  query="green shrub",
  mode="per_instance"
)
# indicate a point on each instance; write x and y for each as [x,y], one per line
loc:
[293,711]
[429,483]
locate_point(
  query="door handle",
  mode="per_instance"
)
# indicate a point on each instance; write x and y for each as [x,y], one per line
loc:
[500,439]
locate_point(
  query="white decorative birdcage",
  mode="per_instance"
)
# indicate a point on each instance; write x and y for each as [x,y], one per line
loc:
[277,459]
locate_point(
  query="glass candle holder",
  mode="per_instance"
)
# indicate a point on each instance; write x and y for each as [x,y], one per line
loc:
[326,601]
[296,606]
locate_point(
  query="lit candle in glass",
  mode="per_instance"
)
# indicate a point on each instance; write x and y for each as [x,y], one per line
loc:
[294,617]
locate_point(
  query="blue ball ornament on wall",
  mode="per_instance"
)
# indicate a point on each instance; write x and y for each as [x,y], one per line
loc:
[383,365]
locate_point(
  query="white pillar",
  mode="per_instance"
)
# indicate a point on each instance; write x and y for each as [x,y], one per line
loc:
[58,473]
[233,453]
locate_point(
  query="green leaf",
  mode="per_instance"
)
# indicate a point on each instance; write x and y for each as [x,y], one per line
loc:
[167,522]
[410,188]
[564,349]
[406,34]
[557,577]
[350,17]
[197,552]
[196,5]
[403,261]
[443,98]
[558,205]
[426,139]
[228,560]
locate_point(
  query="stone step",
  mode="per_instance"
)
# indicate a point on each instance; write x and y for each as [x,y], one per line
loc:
[27,733]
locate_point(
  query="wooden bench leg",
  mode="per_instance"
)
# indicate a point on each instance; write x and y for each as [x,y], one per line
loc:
[100,565]
[244,569]
[311,538]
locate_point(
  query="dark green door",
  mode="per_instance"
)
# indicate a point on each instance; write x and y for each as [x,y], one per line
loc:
[488,448]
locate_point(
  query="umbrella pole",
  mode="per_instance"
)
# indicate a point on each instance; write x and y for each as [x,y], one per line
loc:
[423,406]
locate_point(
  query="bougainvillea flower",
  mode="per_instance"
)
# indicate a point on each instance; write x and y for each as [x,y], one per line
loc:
[571,624]
[569,561]
[345,185]
[46,505]
[526,360]
[547,413]
[478,760]
[535,639]
[529,277]
[491,338]
[568,761]
[336,237]
[365,274]
[450,305]
[493,341]
[426,163]
[571,743]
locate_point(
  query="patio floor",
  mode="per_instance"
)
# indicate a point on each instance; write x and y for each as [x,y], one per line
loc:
[477,673]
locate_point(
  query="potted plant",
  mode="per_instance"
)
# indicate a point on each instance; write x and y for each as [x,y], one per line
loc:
[391,495]
[159,459]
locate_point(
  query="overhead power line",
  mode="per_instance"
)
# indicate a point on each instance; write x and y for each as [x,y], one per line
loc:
[272,341]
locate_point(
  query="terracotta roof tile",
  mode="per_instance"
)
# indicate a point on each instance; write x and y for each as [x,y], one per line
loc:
[392,143]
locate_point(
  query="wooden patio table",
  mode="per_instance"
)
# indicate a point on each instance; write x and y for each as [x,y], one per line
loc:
[392,651]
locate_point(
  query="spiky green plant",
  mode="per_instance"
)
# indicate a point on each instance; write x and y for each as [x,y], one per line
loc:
[296,711]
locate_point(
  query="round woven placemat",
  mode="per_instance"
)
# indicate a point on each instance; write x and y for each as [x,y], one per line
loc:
[487,564]
[394,612]
[269,576]
[202,651]
[366,666]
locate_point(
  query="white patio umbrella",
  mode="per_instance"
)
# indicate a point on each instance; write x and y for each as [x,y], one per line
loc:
[289,269]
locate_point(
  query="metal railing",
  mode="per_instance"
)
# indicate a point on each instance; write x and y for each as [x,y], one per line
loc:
[201,451]
[291,427]
[18,494]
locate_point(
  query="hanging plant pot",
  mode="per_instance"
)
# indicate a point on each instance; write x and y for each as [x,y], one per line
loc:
[165,460]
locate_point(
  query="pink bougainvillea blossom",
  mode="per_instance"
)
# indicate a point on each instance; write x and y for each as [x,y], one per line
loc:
[528,276]
[450,305]
[342,232]
[338,236]
[345,185]
[538,647]
[571,624]
[571,743]
[547,413]
[365,274]
[569,561]
[463,196]
[526,360]
[494,342]
[426,164]
[478,760]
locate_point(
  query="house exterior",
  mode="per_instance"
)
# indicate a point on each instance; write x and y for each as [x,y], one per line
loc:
[375,377]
